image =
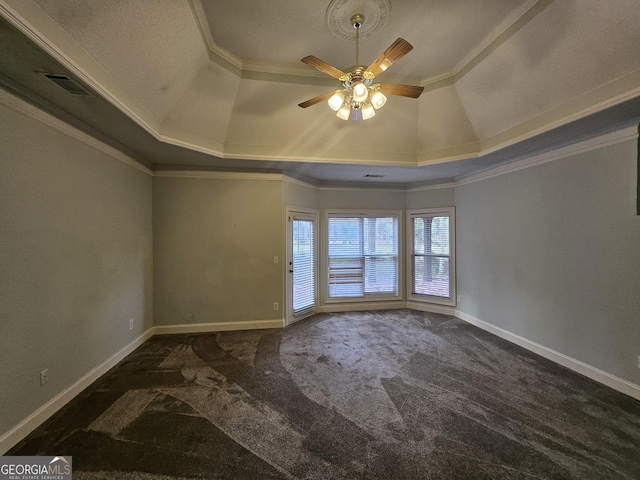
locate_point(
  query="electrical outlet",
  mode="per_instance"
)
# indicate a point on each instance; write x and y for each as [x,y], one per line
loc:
[276,306]
[131,324]
[44,376]
[459,299]
[276,260]
[638,361]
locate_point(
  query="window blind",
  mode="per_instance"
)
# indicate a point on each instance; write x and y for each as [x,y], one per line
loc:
[431,255]
[303,266]
[363,256]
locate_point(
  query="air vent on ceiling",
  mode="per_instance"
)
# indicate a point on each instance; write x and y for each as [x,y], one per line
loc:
[71,86]
[373,176]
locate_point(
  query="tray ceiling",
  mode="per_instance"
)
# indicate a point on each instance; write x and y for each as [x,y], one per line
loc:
[215,84]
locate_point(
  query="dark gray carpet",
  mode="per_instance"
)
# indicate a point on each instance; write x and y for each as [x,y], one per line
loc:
[380,395]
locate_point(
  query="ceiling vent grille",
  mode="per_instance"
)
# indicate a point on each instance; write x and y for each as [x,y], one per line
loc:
[373,176]
[70,86]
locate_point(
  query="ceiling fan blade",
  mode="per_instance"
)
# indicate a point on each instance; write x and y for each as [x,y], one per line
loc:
[318,99]
[395,52]
[402,90]
[323,66]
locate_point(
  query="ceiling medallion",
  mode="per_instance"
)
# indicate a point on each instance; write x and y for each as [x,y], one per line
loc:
[339,13]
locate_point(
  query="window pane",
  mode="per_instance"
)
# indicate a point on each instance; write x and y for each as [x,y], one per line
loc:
[345,237]
[380,276]
[431,276]
[431,235]
[346,277]
[439,234]
[418,235]
[380,236]
[346,268]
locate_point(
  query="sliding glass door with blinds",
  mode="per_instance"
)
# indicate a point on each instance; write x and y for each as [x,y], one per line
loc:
[431,243]
[302,264]
[362,260]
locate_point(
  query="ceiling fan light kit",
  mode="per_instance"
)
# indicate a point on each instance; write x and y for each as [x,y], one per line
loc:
[360,97]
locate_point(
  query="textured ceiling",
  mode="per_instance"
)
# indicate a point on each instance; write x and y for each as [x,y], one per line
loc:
[215,84]
[444,33]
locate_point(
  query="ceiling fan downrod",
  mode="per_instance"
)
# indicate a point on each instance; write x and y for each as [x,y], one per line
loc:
[357,20]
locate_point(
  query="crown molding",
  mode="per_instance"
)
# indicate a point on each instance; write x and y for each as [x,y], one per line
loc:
[628,133]
[601,141]
[254,71]
[593,102]
[36,25]
[36,114]
[360,186]
[465,151]
[353,157]
[436,186]
[221,56]
[287,178]
[510,26]
[218,175]
[507,28]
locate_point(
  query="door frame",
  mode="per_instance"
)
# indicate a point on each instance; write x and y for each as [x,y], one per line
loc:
[290,213]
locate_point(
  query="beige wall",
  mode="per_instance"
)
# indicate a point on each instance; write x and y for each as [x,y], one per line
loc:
[362,198]
[299,195]
[75,260]
[214,243]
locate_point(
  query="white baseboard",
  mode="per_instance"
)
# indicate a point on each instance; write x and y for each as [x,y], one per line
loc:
[430,307]
[20,431]
[217,327]
[360,307]
[593,373]
[391,305]
[33,421]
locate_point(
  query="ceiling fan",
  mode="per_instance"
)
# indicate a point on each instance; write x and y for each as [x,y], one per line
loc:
[360,97]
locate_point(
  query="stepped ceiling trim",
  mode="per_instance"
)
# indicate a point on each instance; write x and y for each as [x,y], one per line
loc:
[35,24]
[20,106]
[511,25]
[628,133]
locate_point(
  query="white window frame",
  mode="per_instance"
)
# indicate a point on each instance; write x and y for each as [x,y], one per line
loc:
[399,262]
[451,213]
